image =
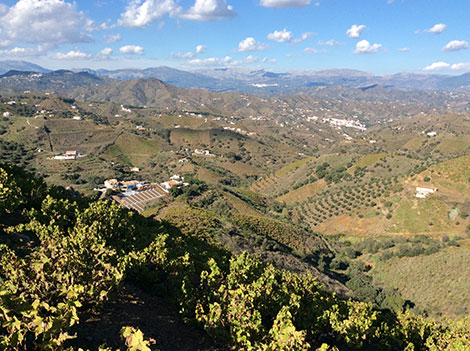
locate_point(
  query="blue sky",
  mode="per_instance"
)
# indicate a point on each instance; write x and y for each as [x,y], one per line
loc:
[379,36]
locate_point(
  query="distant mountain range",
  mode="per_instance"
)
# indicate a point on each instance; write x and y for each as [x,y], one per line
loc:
[12,65]
[16,82]
[161,86]
[261,82]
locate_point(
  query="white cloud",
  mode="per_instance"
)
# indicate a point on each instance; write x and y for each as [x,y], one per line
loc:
[313,51]
[355,31]
[199,50]
[223,62]
[463,66]
[272,60]
[132,49]
[404,49]
[71,55]
[303,36]
[105,53]
[285,36]
[3,9]
[329,43]
[112,38]
[48,23]
[456,45]
[281,36]
[437,66]
[364,47]
[251,59]
[211,61]
[141,13]
[285,3]
[250,44]
[17,51]
[209,10]
[437,28]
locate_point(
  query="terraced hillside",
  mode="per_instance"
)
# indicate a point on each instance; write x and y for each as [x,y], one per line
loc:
[132,150]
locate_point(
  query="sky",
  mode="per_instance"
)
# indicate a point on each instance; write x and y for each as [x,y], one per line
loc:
[378,36]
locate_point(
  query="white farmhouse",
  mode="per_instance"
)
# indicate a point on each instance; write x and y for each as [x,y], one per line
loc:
[422,192]
[111,183]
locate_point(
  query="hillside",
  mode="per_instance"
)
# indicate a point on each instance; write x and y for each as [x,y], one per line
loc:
[99,252]
[18,82]
[310,179]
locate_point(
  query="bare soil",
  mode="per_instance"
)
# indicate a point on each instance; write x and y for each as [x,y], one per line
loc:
[158,320]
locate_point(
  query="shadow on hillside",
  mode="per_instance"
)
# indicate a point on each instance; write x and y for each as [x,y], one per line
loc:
[158,320]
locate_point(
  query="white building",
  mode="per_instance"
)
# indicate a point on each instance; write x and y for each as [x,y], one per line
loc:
[69,155]
[422,193]
[176,177]
[202,152]
[111,183]
[6,114]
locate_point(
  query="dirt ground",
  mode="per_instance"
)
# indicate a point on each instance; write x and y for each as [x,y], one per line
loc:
[158,320]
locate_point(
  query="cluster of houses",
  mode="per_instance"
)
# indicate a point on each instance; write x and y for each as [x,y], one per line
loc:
[7,113]
[124,186]
[175,180]
[137,185]
[348,123]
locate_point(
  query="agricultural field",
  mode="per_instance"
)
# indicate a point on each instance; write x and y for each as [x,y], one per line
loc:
[132,150]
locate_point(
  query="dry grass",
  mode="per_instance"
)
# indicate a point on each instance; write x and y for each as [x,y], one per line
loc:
[303,193]
[208,176]
[352,225]
[240,168]
[367,161]
[132,149]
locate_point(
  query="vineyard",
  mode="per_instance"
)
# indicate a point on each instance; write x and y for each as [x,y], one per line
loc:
[63,256]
